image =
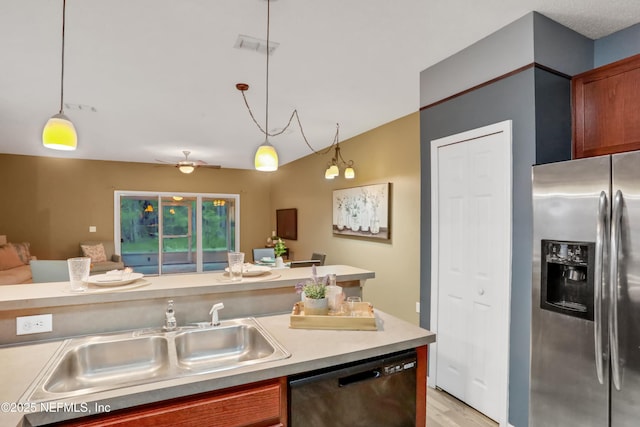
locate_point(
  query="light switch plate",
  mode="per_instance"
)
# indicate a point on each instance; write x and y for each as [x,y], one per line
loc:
[92,229]
[34,324]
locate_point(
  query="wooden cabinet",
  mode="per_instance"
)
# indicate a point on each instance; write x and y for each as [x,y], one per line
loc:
[261,404]
[421,385]
[606,109]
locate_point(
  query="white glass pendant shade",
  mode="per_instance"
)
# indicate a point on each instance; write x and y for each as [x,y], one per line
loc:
[327,174]
[334,171]
[186,168]
[60,134]
[349,173]
[266,159]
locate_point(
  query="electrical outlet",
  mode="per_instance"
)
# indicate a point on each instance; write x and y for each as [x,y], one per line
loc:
[34,324]
[418,307]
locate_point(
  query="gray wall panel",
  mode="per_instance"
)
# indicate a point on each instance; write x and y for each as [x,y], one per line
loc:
[538,103]
[497,54]
[511,98]
[553,117]
[617,46]
[561,48]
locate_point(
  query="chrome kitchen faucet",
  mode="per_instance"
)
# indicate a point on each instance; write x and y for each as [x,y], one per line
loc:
[214,313]
[170,323]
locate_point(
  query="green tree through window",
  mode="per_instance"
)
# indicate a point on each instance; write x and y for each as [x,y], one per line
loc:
[142,238]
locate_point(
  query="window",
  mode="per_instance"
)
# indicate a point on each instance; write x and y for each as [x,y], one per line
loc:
[162,233]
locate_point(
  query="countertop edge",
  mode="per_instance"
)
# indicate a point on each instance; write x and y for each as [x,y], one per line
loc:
[349,346]
[56,294]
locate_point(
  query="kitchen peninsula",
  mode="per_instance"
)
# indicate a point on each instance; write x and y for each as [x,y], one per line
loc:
[268,299]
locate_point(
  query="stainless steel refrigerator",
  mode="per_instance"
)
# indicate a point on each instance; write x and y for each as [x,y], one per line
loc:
[585,325]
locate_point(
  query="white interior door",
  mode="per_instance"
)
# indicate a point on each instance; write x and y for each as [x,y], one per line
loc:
[471,266]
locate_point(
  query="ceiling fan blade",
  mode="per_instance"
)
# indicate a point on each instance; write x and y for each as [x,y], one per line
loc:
[187,162]
[165,162]
[203,164]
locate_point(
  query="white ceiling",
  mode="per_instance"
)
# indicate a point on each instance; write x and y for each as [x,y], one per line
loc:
[161,74]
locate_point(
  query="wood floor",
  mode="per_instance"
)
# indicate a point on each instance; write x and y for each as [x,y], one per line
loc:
[444,410]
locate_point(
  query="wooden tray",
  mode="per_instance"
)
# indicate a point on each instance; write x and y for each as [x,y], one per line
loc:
[365,322]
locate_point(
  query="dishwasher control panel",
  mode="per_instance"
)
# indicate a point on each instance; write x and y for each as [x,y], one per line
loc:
[399,367]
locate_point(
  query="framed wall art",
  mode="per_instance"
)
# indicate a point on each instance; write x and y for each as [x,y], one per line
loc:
[287,223]
[362,211]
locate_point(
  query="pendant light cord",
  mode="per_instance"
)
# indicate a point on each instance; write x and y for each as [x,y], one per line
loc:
[265,131]
[266,114]
[64,14]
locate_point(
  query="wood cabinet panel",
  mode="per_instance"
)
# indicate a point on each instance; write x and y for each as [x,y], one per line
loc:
[254,405]
[606,109]
[421,385]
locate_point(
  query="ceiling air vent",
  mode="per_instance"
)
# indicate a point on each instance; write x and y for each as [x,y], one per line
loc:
[254,44]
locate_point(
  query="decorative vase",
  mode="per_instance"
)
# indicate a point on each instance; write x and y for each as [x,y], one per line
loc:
[375,225]
[355,223]
[316,307]
[340,220]
[364,221]
[279,262]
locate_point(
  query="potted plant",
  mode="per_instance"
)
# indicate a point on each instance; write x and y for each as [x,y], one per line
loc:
[279,249]
[313,292]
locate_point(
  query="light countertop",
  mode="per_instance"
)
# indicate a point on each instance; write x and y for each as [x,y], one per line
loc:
[310,350]
[37,295]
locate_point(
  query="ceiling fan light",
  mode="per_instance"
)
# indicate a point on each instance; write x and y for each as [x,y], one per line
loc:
[349,173]
[266,159]
[60,134]
[186,168]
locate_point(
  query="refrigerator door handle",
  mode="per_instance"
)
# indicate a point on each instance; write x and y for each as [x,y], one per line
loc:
[598,285]
[616,218]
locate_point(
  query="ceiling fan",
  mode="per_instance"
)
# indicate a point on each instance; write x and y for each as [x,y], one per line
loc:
[188,166]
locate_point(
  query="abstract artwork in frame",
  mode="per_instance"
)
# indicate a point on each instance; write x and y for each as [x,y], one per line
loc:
[362,211]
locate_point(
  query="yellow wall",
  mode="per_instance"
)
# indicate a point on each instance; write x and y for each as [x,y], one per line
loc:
[390,153]
[51,202]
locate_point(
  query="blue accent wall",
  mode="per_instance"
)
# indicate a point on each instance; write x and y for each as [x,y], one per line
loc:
[617,46]
[538,101]
[538,104]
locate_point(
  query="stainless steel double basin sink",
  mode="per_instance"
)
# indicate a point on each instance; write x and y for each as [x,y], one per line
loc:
[105,362]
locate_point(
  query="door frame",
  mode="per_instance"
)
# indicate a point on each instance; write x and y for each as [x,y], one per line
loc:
[504,127]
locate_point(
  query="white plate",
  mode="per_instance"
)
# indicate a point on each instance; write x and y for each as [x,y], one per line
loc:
[113,280]
[252,270]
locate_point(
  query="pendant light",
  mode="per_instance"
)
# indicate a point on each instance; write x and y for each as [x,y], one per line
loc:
[59,133]
[266,158]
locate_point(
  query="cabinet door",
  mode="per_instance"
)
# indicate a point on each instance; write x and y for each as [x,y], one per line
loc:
[606,109]
[257,405]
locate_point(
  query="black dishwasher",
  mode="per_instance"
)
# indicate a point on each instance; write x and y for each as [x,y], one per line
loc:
[373,392]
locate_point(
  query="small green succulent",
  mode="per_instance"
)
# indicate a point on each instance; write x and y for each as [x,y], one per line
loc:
[315,287]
